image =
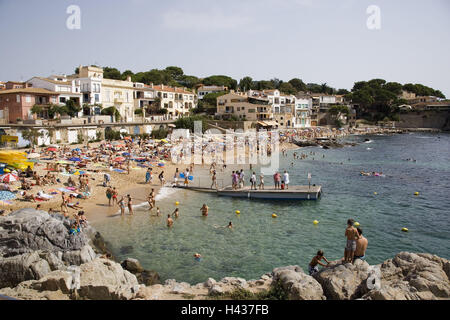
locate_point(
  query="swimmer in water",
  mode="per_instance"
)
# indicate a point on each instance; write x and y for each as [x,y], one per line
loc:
[204,209]
[230,225]
[158,212]
[176,213]
[197,256]
[169,221]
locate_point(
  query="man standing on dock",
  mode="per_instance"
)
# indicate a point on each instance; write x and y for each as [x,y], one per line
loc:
[276,180]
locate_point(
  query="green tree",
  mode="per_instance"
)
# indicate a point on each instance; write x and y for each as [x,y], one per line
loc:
[111,73]
[220,80]
[245,83]
[188,122]
[176,73]
[298,84]
[31,135]
[127,73]
[287,88]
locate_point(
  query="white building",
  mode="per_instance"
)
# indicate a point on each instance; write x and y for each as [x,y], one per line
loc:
[177,101]
[204,90]
[68,88]
[91,86]
[302,112]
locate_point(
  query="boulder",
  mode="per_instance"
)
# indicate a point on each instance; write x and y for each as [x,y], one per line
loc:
[54,281]
[297,284]
[344,281]
[77,257]
[146,277]
[27,230]
[132,265]
[27,266]
[412,276]
[103,279]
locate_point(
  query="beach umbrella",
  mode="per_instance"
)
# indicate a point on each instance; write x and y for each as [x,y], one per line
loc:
[52,149]
[9,177]
[75,159]
[119,159]
[33,156]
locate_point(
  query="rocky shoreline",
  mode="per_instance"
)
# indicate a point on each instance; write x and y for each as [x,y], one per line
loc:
[40,260]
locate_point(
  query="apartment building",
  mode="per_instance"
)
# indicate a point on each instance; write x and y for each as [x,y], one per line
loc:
[119,94]
[90,78]
[2,85]
[302,111]
[204,90]
[16,104]
[244,107]
[177,101]
[67,88]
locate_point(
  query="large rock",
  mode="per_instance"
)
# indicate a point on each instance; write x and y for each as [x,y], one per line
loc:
[28,266]
[77,257]
[297,284]
[28,230]
[103,279]
[344,281]
[411,276]
[146,277]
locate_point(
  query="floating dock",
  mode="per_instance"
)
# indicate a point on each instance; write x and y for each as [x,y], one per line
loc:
[293,193]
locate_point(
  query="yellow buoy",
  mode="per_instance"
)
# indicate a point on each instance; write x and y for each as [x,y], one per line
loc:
[238,212]
[375,193]
[274,215]
[416,193]
[316,222]
[177,203]
[405,229]
[356,224]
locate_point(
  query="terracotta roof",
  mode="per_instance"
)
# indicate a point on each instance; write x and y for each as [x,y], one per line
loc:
[171,89]
[29,90]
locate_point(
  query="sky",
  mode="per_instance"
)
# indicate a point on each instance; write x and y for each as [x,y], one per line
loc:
[320,41]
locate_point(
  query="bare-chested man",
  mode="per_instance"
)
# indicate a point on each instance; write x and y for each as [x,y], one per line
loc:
[204,209]
[313,268]
[361,246]
[352,235]
[169,221]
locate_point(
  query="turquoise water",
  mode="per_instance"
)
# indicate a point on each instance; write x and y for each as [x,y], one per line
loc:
[258,243]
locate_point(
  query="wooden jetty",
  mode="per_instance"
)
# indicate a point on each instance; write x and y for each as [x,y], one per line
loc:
[293,193]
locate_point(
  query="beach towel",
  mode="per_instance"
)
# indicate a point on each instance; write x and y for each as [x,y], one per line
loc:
[7,195]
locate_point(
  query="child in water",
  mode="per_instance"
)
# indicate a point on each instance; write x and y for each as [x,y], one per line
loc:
[197,256]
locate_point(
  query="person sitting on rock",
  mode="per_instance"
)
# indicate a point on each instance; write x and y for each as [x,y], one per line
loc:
[313,265]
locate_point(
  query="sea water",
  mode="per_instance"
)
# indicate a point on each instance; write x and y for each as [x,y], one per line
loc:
[258,243]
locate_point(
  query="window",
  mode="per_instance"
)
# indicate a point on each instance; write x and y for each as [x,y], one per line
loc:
[28,98]
[97,98]
[62,100]
[18,98]
[164,95]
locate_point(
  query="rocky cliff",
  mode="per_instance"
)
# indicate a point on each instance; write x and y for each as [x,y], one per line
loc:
[40,260]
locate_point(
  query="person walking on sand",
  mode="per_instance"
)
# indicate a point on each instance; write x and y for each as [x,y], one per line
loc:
[161,178]
[130,204]
[313,265]
[361,246]
[115,194]
[109,193]
[169,221]
[204,209]
[148,176]
[352,235]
